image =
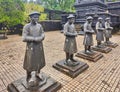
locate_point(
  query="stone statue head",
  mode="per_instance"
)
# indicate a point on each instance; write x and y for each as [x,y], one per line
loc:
[108,19]
[90,19]
[100,19]
[34,16]
[71,18]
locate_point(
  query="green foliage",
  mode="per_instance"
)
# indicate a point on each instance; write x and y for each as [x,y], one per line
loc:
[64,5]
[30,7]
[25,1]
[11,12]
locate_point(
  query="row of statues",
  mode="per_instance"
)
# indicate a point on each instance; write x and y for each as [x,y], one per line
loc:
[34,61]
[101,32]
[70,33]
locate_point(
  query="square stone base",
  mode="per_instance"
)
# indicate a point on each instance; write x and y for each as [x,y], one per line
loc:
[103,49]
[94,57]
[21,86]
[113,45]
[71,71]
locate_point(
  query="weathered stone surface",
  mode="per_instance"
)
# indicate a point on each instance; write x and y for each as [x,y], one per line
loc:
[113,45]
[92,57]
[71,71]
[102,49]
[20,85]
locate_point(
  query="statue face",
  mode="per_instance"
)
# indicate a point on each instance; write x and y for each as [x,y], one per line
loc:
[108,20]
[100,20]
[71,20]
[90,20]
[34,18]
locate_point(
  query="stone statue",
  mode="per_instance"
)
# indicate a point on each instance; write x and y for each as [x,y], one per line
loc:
[108,30]
[100,32]
[88,39]
[34,60]
[70,46]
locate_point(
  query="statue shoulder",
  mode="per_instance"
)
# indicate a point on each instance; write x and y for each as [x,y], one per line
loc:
[66,24]
[26,26]
[106,23]
[98,23]
[39,25]
[85,24]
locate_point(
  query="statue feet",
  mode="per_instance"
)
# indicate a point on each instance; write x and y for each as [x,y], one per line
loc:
[109,42]
[100,46]
[36,81]
[90,52]
[71,63]
[33,82]
[74,60]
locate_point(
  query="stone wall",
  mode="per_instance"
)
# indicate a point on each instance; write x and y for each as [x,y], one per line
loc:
[50,25]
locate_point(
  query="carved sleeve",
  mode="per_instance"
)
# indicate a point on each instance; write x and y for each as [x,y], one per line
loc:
[98,27]
[25,34]
[87,30]
[67,33]
[42,35]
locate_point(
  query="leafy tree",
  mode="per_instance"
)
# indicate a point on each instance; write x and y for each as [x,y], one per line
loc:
[11,12]
[30,7]
[25,1]
[66,5]
[31,1]
[38,1]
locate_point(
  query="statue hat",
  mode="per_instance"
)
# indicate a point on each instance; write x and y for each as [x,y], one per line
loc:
[107,18]
[34,13]
[71,16]
[100,18]
[89,17]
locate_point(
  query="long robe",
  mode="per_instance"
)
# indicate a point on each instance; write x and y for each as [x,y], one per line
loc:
[88,36]
[70,45]
[100,32]
[108,31]
[34,57]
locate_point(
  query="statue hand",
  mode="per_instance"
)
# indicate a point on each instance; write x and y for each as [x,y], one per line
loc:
[39,39]
[92,31]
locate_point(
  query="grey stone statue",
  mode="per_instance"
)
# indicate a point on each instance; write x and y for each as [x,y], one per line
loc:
[70,46]
[88,38]
[34,60]
[108,30]
[100,32]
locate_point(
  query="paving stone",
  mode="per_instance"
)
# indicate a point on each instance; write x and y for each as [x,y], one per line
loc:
[101,76]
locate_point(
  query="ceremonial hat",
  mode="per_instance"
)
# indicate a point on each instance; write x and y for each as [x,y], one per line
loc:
[89,17]
[100,18]
[70,16]
[34,13]
[107,18]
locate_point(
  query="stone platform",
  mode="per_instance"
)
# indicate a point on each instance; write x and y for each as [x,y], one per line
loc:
[71,71]
[103,49]
[113,45]
[20,85]
[101,76]
[92,57]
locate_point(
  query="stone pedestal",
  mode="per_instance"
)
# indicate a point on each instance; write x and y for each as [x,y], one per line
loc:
[92,57]
[21,85]
[113,45]
[71,71]
[103,49]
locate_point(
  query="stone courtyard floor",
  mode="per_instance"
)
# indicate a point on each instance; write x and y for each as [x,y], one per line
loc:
[101,76]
